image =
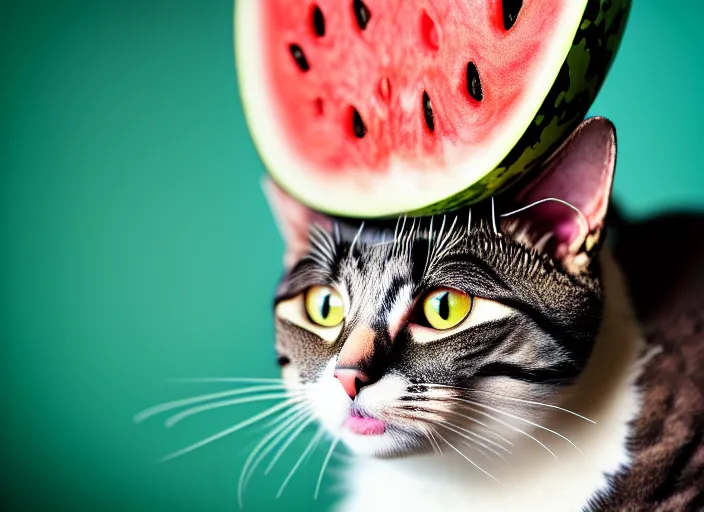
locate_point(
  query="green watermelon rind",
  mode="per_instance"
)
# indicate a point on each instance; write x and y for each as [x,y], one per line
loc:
[582,74]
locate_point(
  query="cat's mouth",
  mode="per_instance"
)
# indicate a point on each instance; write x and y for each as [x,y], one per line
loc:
[364,425]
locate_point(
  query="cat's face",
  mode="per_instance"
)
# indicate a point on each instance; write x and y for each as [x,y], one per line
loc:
[400,337]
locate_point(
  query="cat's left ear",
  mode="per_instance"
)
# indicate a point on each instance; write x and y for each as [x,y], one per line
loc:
[294,220]
[580,175]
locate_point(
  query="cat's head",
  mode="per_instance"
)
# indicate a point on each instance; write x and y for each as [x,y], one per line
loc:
[404,333]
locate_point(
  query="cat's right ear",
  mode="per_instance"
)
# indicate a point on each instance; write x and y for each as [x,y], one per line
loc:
[562,210]
[294,221]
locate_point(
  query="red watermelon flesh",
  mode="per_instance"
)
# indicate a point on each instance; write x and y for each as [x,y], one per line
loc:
[384,106]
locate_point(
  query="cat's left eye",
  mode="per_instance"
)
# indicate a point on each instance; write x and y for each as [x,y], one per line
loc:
[324,306]
[446,308]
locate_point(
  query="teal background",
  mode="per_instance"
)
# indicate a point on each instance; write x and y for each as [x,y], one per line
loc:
[136,246]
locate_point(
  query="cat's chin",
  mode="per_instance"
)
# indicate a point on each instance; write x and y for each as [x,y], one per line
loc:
[392,444]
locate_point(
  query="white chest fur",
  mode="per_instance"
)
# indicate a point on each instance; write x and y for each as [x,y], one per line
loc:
[531,479]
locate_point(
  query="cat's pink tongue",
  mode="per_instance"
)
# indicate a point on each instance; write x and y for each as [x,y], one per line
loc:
[365,426]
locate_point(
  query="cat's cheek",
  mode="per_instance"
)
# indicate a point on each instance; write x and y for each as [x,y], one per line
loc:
[290,375]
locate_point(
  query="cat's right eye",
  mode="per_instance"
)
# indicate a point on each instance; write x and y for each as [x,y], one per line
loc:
[324,306]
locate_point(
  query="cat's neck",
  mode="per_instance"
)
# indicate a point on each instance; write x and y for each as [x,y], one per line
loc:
[531,479]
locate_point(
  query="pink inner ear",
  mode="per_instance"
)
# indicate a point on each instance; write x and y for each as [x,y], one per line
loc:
[580,173]
[294,221]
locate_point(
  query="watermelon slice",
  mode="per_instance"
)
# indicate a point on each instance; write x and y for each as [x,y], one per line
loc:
[371,108]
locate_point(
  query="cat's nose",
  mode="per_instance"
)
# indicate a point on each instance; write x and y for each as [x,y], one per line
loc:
[352,380]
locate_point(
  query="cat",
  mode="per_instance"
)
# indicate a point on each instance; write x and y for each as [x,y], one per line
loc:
[489,358]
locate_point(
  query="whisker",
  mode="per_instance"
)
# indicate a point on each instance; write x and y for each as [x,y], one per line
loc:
[447,426]
[493,432]
[398,222]
[311,446]
[466,458]
[173,420]
[285,420]
[408,244]
[473,446]
[343,457]
[430,245]
[445,244]
[508,414]
[489,429]
[157,409]
[322,238]
[493,217]
[436,446]
[439,239]
[295,422]
[397,249]
[206,380]
[326,461]
[514,399]
[356,238]
[478,436]
[321,262]
[322,244]
[230,430]
[512,427]
[452,427]
[274,421]
[441,421]
[582,217]
[288,442]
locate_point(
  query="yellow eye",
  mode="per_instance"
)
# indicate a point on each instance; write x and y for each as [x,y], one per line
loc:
[446,308]
[324,306]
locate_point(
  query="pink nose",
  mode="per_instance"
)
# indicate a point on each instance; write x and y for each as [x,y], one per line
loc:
[352,380]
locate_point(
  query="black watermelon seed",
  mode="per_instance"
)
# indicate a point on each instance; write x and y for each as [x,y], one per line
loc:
[474,85]
[318,21]
[511,9]
[358,125]
[362,13]
[299,57]
[428,112]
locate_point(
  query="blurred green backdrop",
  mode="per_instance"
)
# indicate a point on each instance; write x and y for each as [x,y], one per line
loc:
[136,245]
